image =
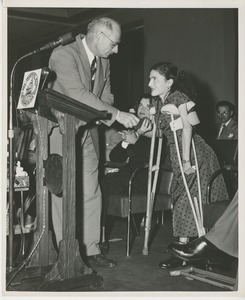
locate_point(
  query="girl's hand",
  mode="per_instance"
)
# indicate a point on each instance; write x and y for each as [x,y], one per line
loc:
[146,126]
[187,168]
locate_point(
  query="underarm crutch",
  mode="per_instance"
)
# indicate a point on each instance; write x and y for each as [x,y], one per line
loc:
[196,206]
[151,188]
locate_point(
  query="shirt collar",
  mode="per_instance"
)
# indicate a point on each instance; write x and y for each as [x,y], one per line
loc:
[226,124]
[91,56]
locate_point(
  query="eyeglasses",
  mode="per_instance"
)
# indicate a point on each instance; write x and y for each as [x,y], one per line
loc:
[113,44]
[225,113]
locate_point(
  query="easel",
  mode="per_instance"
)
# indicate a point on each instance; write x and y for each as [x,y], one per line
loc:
[69,264]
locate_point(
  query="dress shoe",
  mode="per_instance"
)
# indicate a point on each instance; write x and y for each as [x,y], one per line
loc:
[100,260]
[199,249]
[171,263]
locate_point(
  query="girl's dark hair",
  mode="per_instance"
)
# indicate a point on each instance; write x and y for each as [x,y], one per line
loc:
[181,80]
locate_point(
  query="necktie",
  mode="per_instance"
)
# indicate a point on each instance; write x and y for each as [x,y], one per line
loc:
[222,130]
[93,70]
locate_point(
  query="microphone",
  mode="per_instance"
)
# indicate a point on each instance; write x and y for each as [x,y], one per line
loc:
[46,71]
[62,40]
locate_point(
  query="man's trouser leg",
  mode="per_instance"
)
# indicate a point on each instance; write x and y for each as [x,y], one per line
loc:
[224,234]
[91,197]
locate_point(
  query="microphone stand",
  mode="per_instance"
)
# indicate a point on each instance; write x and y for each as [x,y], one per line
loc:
[11,162]
[63,40]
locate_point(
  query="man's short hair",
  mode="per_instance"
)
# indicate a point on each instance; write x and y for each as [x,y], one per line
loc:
[101,23]
[144,96]
[225,103]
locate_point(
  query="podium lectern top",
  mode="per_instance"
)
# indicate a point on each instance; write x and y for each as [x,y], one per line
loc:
[49,98]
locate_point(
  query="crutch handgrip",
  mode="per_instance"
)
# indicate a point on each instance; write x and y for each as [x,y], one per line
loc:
[177,123]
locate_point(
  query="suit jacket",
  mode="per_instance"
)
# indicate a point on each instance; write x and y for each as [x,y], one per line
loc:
[230,132]
[138,153]
[73,79]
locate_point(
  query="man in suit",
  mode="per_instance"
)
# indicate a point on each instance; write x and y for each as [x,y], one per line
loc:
[228,129]
[83,73]
[222,238]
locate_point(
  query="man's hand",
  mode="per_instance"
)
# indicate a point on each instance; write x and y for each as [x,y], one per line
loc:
[127,119]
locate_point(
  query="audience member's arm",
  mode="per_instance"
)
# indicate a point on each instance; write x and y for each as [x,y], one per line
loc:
[118,153]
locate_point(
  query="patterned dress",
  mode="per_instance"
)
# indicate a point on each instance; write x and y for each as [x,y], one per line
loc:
[183,220]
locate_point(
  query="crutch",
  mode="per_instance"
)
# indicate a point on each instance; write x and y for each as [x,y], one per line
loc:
[198,182]
[151,187]
[175,125]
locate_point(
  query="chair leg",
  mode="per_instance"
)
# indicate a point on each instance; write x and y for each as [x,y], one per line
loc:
[128,236]
[131,225]
[160,217]
[134,227]
[103,234]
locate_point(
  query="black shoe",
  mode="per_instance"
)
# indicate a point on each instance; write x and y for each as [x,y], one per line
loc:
[171,263]
[100,260]
[199,249]
[104,247]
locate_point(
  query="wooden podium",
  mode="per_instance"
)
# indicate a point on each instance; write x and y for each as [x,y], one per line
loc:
[69,265]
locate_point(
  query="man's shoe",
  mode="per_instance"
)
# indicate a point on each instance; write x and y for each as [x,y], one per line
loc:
[171,263]
[104,247]
[100,260]
[199,249]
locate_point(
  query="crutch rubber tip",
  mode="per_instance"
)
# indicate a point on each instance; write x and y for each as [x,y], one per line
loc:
[145,251]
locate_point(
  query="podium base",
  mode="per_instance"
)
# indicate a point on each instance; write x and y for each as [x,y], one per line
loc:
[88,280]
[69,263]
[68,273]
[33,279]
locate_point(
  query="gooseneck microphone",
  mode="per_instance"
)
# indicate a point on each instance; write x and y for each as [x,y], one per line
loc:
[62,40]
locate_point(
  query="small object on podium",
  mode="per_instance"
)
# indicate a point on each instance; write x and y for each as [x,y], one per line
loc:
[21,179]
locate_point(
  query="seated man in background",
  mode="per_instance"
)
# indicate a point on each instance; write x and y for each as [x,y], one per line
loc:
[226,145]
[228,129]
[135,149]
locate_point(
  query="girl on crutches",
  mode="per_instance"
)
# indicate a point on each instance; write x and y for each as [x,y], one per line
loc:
[168,86]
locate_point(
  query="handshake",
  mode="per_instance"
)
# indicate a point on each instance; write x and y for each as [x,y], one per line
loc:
[143,127]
